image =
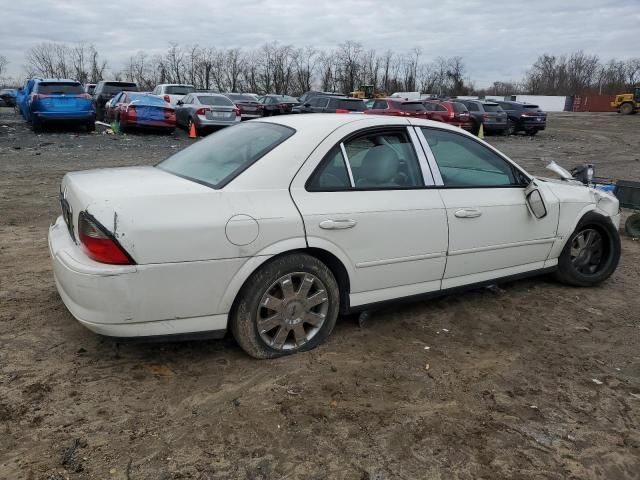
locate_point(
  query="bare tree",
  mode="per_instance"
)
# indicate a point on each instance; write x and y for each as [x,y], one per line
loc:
[3,64]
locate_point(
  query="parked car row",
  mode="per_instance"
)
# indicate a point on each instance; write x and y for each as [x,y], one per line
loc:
[171,105]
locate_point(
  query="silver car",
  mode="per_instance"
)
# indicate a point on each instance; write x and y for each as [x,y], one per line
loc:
[206,111]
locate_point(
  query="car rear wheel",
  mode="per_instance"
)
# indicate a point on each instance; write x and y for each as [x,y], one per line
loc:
[90,126]
[289,305]
[531,131]
[591,254]
[511,128]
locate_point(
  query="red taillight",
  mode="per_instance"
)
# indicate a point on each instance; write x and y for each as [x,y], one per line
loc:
[99,245]
[341,110]
[86,96]
[167,98]
[38,96]
[485,115]
[237,112]
[202,111]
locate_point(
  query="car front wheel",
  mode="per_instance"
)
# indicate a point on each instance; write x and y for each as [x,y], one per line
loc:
[289,305]
[591,254]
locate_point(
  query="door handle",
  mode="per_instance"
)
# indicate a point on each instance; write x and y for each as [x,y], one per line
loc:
[340,224]
[468,213]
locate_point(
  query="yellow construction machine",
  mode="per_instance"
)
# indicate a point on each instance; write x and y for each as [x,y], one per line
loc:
[366,92]
[627,103]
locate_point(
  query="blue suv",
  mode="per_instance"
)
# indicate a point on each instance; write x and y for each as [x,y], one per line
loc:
[57,100]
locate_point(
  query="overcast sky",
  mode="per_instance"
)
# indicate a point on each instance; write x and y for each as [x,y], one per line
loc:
[498,39]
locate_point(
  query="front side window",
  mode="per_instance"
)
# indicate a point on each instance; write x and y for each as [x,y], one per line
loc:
[383,160]
[464,162]
[219,158]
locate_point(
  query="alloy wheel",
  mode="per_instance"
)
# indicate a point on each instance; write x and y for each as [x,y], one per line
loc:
[587,251]
[292,311]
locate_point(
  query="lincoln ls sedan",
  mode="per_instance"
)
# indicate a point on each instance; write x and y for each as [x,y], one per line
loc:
[274,227]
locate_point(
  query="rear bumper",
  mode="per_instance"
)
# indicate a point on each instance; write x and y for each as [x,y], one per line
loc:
[533,124]
[151,124]
[87,115]
[495,126]
[133,300]
[202,122]
[249,116]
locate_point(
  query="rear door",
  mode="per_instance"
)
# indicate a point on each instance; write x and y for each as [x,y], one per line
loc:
[492,233]
[366,195]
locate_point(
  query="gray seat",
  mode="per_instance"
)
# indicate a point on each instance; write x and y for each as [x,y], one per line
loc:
[379,168]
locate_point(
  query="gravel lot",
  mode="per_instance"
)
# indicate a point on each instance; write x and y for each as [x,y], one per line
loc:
[531,380]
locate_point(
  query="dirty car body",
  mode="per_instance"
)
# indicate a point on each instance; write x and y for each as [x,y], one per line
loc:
[141,110]
[286,221]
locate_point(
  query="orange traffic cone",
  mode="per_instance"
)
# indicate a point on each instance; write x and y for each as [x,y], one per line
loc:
[192,131]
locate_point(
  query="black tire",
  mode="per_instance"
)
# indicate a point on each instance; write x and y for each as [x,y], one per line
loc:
[511,128]
[90,126]
[36,125]
[626,108]
[246,310]
[572,266]
[532,131]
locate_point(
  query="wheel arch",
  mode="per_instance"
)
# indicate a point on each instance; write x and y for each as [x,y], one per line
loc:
[563,237]
[241,278]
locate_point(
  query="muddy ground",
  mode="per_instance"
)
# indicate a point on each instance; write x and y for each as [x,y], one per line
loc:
[532,380]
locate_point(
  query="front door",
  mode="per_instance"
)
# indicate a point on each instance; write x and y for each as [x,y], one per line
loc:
[366,195]
[492,233]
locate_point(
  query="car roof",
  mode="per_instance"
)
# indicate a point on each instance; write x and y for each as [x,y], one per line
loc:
[175,85]
[208,94]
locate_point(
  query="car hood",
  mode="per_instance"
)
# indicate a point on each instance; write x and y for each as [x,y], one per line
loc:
[572,191]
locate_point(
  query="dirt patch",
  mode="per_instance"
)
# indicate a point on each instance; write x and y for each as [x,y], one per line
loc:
[529,380]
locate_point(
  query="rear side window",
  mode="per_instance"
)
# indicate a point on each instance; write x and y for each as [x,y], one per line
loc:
[51,88]
[464,162]
[382,160]
[473,107]
[412,107]
[179,90]
[532,108]
[215,101]
[222,156]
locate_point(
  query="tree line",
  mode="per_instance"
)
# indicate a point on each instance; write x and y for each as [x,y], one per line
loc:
[276,68]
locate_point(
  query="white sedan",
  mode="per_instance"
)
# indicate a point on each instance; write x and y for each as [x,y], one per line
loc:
[273,227]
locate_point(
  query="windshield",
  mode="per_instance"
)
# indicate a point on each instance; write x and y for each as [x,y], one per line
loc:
[59,87]
[459,107]
[222,156]
[532,108]
[241,98]
[215,101]
[179,90]
[491,107]
[351,105]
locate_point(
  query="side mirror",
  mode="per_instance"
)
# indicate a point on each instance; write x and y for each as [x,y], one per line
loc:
[307,105]
[536,204]
[179,102]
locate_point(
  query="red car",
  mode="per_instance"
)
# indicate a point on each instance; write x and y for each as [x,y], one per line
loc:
[133,109]
[397,107]
[446,111]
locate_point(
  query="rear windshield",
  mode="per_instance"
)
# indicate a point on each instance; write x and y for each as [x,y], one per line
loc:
[179,90]
[116,87]
[459,107]
[491,107]
[286,99]
[222,156]
[534,108]
[59,87]
[412,107]
[215,101]
[241,98]
[146,99]
[351,105]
